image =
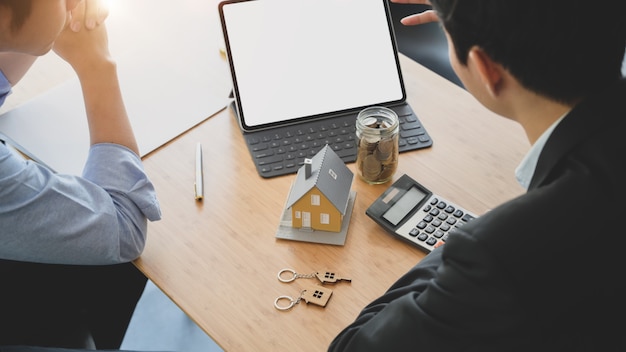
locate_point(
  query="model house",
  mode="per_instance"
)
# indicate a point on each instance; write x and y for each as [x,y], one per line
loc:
[320,193]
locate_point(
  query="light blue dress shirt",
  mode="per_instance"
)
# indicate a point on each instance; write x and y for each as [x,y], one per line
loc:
[5,88]
[97,218]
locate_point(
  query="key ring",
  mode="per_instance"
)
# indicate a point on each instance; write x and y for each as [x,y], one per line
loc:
[294,275]
[292,302]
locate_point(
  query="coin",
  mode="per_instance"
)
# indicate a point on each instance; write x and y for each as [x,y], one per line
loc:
[384,149]
[387,172]
[371,167]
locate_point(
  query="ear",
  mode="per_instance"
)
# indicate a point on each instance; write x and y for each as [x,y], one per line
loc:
[489,72]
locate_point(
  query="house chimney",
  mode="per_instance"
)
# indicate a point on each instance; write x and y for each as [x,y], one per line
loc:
[307,168]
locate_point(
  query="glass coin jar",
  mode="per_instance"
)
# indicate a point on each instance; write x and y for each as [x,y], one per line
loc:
[377,131]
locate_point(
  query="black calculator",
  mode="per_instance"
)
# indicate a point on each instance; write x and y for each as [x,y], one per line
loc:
[412,212]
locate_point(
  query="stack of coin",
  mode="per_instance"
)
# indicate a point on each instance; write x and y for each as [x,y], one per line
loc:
[377,158]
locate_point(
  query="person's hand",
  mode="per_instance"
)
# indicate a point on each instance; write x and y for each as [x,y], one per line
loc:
[88,14]
[418,18]
[84,42]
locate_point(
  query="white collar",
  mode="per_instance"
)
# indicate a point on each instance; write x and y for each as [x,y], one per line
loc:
[526,169]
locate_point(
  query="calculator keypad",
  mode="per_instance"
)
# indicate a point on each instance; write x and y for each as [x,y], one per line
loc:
[429,227]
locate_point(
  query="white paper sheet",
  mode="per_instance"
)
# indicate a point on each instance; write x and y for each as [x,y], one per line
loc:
[172,77]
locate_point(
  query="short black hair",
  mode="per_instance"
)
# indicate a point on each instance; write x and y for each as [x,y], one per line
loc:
[561,49]
[20,10]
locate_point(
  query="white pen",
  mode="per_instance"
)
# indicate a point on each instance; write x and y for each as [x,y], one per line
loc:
[199,185]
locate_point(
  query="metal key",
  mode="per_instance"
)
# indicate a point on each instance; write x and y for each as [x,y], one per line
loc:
[330,277]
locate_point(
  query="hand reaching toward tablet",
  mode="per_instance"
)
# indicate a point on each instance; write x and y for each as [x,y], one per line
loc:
[427,16]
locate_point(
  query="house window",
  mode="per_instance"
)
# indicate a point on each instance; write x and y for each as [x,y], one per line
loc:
[325,218]
[298,216]
[315,199]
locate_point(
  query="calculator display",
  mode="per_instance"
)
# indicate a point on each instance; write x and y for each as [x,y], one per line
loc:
[404,205]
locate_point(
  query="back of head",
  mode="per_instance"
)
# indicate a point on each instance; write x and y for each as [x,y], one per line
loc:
[561,49]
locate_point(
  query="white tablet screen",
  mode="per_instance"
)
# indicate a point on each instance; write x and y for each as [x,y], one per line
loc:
[293,59]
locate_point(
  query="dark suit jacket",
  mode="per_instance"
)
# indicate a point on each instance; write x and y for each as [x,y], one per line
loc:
[542,272]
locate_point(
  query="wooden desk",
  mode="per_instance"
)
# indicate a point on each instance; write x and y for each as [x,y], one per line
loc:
[218,259]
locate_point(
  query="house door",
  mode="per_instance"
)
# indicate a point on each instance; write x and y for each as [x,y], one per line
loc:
[306,219]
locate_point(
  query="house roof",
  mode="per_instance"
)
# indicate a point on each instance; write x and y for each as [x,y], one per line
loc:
[330,175]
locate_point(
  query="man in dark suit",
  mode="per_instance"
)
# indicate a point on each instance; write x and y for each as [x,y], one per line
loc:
[544,271]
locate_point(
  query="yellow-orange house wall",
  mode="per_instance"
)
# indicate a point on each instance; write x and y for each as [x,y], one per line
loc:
[304,204]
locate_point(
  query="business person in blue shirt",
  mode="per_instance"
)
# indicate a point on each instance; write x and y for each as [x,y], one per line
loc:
[66,241]
[543,271]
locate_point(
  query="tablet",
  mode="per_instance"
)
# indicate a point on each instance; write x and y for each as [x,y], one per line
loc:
[298,60]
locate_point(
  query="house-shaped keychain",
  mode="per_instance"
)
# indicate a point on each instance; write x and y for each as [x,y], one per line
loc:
[320,194]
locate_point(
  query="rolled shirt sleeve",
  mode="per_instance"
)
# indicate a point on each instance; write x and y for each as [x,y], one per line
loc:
[99,218]
[120,171]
